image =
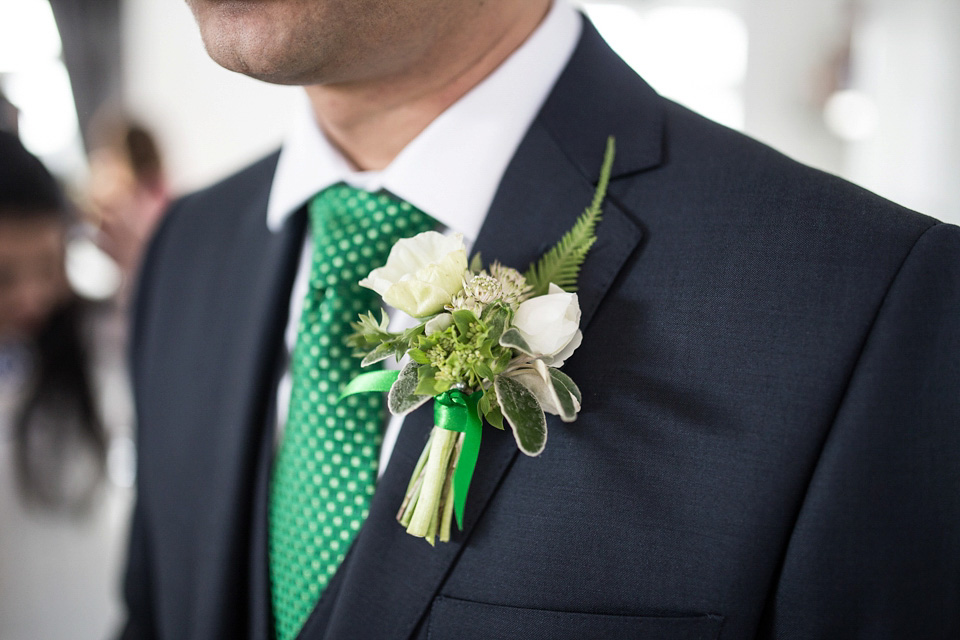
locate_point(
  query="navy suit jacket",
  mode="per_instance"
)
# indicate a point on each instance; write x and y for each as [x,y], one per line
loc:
[769,445]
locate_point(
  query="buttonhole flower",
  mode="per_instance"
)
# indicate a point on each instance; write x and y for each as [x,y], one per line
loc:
[422,273]
[550,324]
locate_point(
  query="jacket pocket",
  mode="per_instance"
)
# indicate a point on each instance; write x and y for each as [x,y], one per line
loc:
[454,619]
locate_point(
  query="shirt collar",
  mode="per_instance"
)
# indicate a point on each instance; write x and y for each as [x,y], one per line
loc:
[452,169]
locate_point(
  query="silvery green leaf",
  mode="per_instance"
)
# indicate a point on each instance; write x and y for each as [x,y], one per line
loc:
[402,398]
[553,397]
[565,380]
[407,336]
[382,352]
[512,339]
[566,404]
[524,415]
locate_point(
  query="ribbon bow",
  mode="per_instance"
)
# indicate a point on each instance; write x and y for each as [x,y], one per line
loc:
[453,410]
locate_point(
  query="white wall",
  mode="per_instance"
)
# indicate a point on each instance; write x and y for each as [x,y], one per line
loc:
[210,121]
[791,45]
[907,58]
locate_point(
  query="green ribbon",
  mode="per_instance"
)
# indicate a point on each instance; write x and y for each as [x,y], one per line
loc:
[452,410]
[456,411]
[371,381]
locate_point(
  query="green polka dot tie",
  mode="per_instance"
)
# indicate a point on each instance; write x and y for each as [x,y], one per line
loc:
[326,466]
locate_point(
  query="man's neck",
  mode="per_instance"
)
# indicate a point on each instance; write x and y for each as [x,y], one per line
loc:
[372,121]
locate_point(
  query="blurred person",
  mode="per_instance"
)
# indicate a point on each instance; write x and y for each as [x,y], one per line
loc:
[128,191]
[61,519]
[769,443]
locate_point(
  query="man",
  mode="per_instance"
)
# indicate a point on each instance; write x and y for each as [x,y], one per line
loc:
[769,436]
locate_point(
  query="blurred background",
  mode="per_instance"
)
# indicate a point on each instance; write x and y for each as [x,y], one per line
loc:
[119,100]
[867,89]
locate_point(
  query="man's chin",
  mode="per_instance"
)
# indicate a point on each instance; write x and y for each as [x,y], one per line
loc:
[280,74]
[247,42]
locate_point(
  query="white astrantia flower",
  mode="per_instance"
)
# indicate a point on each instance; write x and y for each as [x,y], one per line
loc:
[512,283]
[550,324]
[422,273]
[478,291]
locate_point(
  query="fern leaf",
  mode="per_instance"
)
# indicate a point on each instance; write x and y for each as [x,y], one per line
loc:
[561,264]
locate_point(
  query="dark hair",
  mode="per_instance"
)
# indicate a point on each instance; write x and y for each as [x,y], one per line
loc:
[141,147]
[113,129]
[57,421]
[26,187]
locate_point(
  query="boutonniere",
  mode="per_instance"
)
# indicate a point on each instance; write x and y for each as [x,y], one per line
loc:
[489,346]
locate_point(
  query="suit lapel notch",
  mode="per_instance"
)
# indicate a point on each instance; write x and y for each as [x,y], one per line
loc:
[585,108]
[540,198]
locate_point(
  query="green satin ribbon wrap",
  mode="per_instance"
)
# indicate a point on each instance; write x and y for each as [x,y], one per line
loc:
[456,411]
[452,410]
[368,382]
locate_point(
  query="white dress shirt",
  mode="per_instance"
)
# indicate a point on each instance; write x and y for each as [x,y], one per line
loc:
[450,171]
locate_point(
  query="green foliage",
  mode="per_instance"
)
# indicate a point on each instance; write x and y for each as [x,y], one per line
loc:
[465,353]
[369,332]
[490,409]
[402,398]
[561,265]
[512,339]
[565,401]
[497,317]
[523,413]
[563,380]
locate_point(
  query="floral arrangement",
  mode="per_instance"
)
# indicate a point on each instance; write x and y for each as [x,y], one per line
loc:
[489,346]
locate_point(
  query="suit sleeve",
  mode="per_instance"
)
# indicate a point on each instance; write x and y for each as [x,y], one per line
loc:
[875,551]
[140,623]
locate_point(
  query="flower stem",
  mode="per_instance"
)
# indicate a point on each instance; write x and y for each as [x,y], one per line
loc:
[423,524]
[410,501]
[446,503]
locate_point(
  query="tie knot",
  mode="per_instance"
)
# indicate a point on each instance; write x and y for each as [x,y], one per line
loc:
[353,231]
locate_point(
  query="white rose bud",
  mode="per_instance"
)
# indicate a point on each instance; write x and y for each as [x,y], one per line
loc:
[422,273]
[550,324]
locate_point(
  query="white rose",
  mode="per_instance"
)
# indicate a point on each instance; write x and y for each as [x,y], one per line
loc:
[422,273]
[550,324]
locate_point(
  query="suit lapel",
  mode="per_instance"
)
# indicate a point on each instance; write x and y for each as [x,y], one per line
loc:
[263,269]
[391,578]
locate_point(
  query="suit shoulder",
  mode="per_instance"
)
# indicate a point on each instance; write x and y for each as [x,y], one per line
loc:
[758,226]
[235,192]
[201,229]
[720,161]
[219,211]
